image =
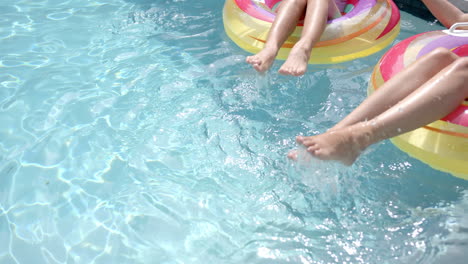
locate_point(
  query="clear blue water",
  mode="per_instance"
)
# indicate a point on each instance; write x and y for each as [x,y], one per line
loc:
[133,132]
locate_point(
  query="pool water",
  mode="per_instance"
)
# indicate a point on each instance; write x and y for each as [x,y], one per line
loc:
[132,131]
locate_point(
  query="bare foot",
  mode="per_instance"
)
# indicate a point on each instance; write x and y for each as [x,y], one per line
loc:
[263,60]
[297,61]
[343,145]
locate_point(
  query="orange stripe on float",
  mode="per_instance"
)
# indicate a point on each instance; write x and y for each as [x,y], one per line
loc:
[335,41]
[451,133]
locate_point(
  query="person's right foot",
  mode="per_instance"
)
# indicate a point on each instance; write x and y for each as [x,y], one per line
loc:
[263,60]
[343,145]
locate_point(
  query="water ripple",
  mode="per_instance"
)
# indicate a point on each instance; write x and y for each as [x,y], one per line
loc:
[133,132]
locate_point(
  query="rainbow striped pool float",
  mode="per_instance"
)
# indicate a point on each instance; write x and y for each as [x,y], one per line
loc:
[442,144]
[366,27]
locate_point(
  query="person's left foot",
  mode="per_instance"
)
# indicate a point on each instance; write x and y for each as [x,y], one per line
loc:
[296,63]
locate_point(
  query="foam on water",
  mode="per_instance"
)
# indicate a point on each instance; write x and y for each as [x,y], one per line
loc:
[133,132]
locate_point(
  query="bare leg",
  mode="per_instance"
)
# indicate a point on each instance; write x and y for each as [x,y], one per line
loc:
[285,22]
[400,86]
[446,12]
[432,101]
[317,14]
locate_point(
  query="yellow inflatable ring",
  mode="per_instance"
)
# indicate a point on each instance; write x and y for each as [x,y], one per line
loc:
[442,144]
[367,26]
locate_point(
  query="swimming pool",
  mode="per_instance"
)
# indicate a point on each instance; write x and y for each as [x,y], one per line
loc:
[133,132]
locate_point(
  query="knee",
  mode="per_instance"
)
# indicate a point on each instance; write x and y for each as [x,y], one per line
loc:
[443,54]
[461,64]
[459,70]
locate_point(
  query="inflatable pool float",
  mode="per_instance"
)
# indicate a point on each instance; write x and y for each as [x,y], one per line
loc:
[366,27]
[442,144]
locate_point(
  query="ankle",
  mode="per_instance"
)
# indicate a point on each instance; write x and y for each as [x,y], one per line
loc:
[271,49]
[364,134]
[305,47]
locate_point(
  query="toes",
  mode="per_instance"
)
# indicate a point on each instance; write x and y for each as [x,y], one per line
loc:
[256,66]
[321,154]
[299,72]
[292,155]
[252,60]
[295,73]
[300,139]
[260,67]
[285,70]
[282,71]
[290,71]
[308,142]
[314,149]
